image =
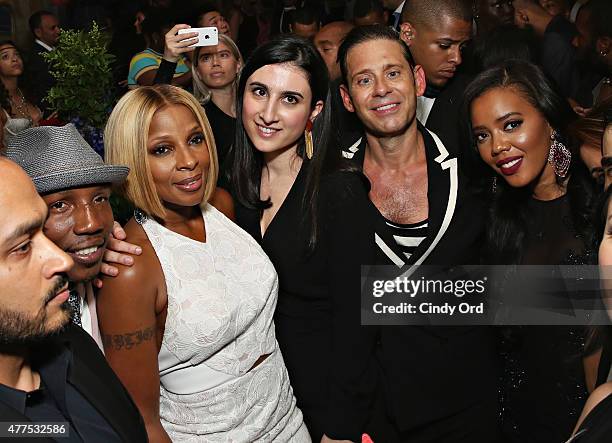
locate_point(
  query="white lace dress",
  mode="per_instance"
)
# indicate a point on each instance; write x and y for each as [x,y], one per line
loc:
[221,300]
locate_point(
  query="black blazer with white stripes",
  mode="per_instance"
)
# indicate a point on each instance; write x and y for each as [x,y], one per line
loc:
[433,373]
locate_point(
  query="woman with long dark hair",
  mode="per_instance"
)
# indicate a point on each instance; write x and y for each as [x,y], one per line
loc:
[21,111]
[291,196]
[539,215]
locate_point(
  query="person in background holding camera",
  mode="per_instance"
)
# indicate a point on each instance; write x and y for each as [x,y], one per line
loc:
[144,65]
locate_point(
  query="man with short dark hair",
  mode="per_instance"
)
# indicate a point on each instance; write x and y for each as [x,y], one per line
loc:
[555,34]
[440,383]
[305,22]
[437,31]
[327,41]
[491,14]
[594,45]
[209,15]
[49,371]
[44,26]
[369,12]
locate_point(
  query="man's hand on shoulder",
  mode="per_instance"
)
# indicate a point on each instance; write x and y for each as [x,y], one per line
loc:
[118,251]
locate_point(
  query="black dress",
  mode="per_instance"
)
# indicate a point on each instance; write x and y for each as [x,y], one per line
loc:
[597,426]
[543,386]
[223,127]
[318,313]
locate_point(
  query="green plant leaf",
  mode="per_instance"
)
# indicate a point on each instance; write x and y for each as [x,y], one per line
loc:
[81,66]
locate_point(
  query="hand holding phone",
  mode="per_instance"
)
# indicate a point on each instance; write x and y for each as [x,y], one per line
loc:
[176,44]
[206,36]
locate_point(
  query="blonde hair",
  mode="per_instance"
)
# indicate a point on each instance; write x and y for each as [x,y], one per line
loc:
[125,140]
[200,90]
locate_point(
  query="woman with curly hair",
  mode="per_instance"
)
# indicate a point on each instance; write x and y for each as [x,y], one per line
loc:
[21,112]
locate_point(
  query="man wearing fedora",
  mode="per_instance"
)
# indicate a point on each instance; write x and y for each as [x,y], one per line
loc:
[54,381]
[75,184]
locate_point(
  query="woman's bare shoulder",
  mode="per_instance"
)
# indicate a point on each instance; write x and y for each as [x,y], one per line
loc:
[222,200]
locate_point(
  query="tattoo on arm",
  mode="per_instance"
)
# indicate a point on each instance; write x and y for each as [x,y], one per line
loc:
[128,340]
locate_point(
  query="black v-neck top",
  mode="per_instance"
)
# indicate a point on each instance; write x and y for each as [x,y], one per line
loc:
[223,127]
[318,313]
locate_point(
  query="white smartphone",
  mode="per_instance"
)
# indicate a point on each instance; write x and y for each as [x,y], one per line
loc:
[206,36]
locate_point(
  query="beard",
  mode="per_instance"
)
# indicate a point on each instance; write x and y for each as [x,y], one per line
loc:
[18,328]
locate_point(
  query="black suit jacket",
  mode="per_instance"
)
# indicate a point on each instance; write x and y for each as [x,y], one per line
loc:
[445,116]
[433,374]
[38,79]
[91,375]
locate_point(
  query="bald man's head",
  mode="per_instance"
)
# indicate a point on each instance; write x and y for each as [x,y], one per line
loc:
[428,13]
[327,41]
[13,177]
[530,14]
[33,271]
[436,32]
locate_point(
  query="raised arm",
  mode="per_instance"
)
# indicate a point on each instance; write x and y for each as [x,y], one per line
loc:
[176,44]
[131,312]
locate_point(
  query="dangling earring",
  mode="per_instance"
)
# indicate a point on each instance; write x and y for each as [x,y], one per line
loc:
[308,138]
[559,156]
[494,184]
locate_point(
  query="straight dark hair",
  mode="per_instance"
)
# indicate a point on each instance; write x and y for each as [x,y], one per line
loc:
[508,210]
[246,162]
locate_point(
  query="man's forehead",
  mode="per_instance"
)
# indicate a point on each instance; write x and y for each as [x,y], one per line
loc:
[77,192]
[333,33]
[18,194]
[387,52]
[48,19]
[446,26]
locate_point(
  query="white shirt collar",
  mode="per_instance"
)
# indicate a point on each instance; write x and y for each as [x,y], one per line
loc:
[400,7]
[44,45]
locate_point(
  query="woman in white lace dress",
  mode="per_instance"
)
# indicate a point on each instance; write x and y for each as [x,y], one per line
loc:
[188,328]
